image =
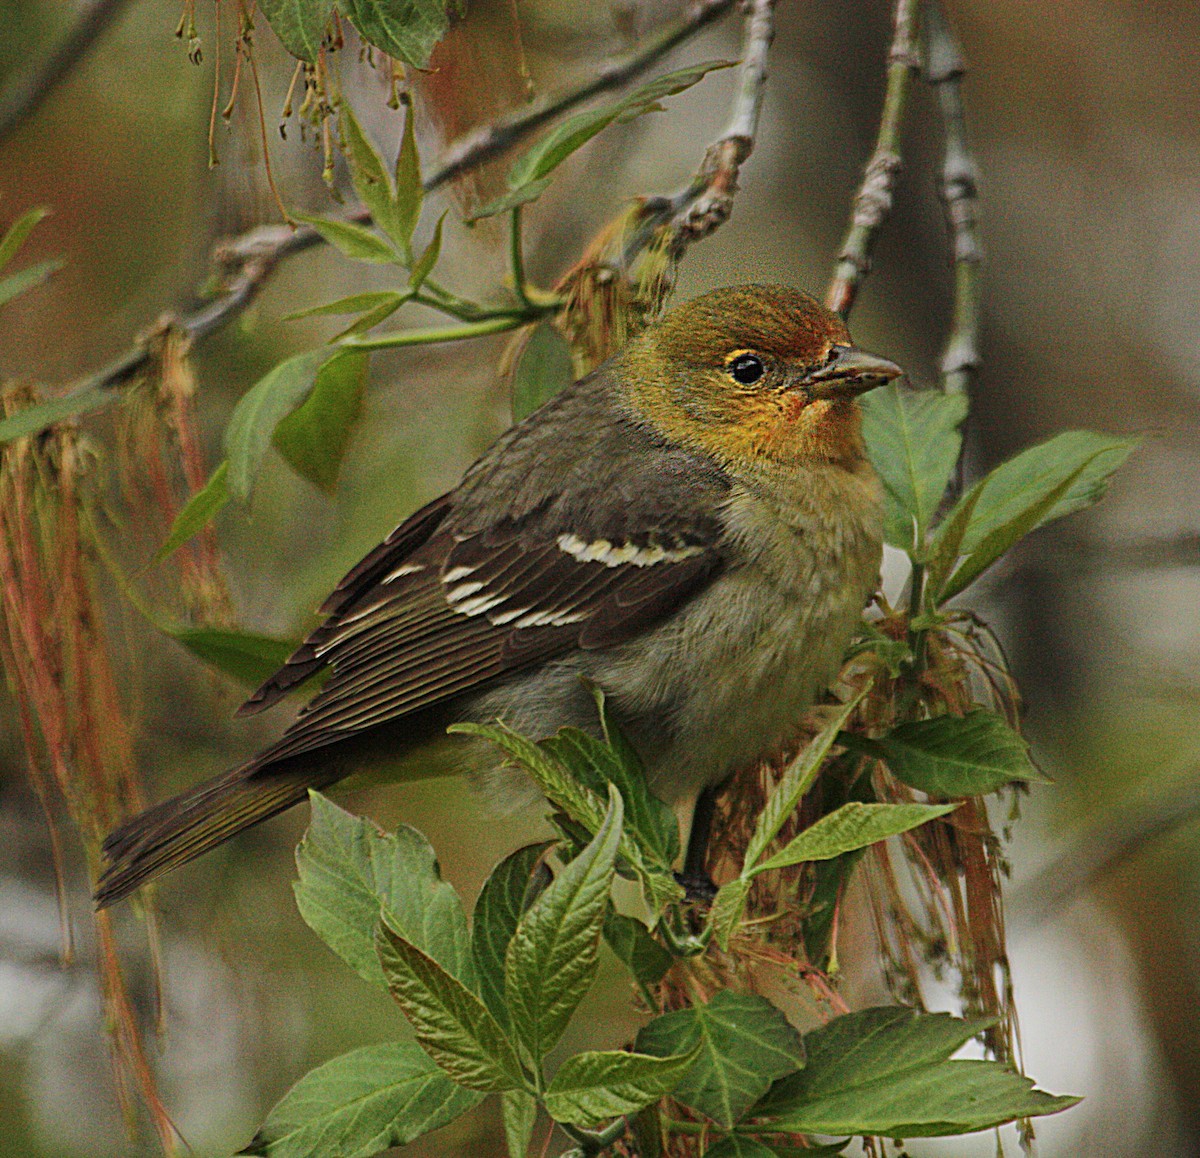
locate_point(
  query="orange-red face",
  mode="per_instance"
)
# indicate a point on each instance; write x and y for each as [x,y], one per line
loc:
[755,372]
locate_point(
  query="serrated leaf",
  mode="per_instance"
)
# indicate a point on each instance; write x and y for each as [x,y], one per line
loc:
[913,442]
[363,1102]
[299,24]
[371,180]
[509,201]
[745,1044]
[596,764]
[424,264]
[314,437]
[519,1113]
[542,370]
[885,1071]
[796,780]
[16,234]
[594,1086]
[18,283]
[354,241]
[742,1145]
[1056,478]
[452,1025]
[197,513]
[247,657]
[728,906]
[354,304]
[953,756]
[851,827]
[574,132]
[552,957]
[34,419]
[410,193]
[350,872]
[252,425]
[508,892]
[633,943]
[405,29]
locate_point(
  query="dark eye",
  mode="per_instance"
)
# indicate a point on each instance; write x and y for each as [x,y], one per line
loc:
[746,369]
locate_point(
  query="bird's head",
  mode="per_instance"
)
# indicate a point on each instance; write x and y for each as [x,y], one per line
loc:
[755,374]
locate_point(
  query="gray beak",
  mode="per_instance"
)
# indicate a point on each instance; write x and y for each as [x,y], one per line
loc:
[848,373]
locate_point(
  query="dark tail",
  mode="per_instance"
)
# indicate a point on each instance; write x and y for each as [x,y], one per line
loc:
[187,825]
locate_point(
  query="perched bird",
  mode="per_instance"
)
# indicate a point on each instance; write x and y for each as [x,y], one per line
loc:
[694,528]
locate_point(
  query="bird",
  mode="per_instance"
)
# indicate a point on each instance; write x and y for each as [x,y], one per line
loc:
[693,528]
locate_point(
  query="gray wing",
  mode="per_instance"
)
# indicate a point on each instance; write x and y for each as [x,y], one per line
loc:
[557,539]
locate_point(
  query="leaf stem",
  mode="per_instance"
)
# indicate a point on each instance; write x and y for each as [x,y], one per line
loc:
[594,1141]
[516,257]
[873,202]
[958,190]
[425,337]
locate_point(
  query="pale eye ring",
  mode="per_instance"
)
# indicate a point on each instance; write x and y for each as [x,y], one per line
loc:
[746,369]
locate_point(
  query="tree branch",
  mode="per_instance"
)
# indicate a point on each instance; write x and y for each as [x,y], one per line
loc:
[707,201]
[873,202]
[25,96]
[944,70]
[248,260]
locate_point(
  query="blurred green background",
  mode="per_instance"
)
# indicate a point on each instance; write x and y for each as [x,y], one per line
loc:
[1083,120]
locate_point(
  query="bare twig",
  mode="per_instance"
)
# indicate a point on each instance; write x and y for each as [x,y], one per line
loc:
[480,146]
[707,201]
[944,70]
[249,259]
[24,97]
[873,202]
[710,201]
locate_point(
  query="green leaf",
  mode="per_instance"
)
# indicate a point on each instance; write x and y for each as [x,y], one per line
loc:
[410,193]
[350,872]
[797,778]
[519,1112]
[355,241]
[17,283]
[574,132]
[742,1145]
[272,398]
[568,790]
[34,419]
[405,29]
[542,370]
[745,1044]
[507,893]
[728,906]
[885,1071]
[552,958]
[363,1102]
[370,179]
[247,657]
[197,513]
[913,442]
[953,756]
[509,201]
[851,827]
[354,304]
[594,1086]
[14,237]
[453,1026]
[633,943]
[1056,478]
[314,437]
[424,264]
[299,24]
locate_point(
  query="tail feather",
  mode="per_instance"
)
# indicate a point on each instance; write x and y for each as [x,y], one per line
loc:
[188,825]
